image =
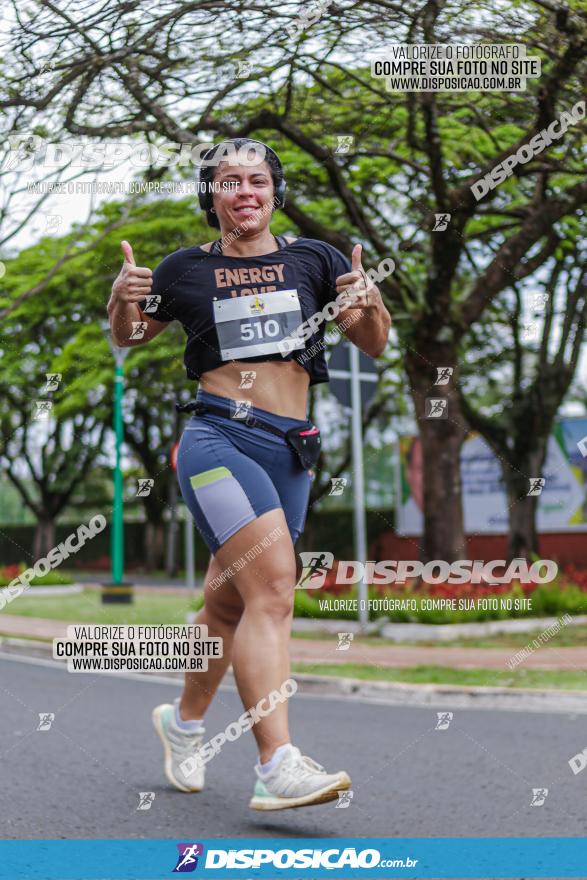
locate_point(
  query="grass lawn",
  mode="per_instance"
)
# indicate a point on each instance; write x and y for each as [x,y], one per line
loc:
[567,637]
[518,678]
[87,607]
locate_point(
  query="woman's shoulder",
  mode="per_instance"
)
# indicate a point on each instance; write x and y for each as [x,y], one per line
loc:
[289,239]
[322,248]
[181,254]
[313,244]
[177,261]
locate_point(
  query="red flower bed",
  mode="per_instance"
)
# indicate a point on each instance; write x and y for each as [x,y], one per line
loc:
[11,571]
[330,585]
[475,591]
[571,575]
[576,576]
[103,563]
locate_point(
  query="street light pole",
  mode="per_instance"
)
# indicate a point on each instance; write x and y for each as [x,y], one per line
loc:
[117,590]
[117,538]
[354,382]
[360,525]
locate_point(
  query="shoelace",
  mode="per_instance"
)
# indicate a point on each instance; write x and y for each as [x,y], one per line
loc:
[318,768]
[298,762]
[189,744]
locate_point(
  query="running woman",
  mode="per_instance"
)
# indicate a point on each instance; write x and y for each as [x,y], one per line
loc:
[245,468]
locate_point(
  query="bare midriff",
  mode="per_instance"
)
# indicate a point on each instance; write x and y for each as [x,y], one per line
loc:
[280,387]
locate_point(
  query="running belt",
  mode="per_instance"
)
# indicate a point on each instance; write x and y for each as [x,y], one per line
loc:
[199,408]
[304,439]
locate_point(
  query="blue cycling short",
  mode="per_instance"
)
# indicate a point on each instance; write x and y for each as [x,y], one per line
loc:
[230,473]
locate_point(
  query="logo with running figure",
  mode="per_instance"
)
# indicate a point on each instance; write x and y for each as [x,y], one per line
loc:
[441,222]
[240,409]
[344,799]
[436,408]
[539,795]
[53,380]
[153,300]
[46,719]
[188,857]
[247,378]
[42,410]
[536,485]
[315,566]
[146,799]
[444,719]
[344,641]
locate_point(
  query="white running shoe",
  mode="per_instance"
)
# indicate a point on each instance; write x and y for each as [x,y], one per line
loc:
[182,767]
[297,781]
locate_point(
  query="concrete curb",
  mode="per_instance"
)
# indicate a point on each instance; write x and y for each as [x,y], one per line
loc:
[446,696]
[55,590]
[382,692]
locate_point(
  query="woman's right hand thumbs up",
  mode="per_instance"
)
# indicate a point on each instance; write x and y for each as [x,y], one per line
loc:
[134,282]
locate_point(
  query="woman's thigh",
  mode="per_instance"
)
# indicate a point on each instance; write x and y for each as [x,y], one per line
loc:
[266,565]
[293,485]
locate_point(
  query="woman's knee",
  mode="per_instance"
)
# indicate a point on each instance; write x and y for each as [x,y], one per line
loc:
[274,593]
[223,603]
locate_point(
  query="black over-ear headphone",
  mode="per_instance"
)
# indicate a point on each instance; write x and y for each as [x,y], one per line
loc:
[205,194]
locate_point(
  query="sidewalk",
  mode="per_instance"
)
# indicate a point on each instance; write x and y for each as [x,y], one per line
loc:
[323,651]
[141,580]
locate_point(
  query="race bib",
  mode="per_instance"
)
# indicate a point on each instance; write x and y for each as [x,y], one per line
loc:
[250,326]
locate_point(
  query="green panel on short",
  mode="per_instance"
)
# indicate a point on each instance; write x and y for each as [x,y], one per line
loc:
[212,476]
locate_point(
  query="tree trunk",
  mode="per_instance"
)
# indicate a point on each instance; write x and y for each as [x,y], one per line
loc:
[154,545]
[441,438]
[44,538]
[518,475]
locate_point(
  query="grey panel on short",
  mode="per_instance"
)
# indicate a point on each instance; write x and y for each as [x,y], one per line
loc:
[223,502]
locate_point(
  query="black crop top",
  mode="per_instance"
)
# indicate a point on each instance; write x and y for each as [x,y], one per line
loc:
[248,308]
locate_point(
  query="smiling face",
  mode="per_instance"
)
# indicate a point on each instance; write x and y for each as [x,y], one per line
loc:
[242,190]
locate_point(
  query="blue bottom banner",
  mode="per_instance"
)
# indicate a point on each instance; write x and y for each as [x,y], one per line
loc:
[487,858]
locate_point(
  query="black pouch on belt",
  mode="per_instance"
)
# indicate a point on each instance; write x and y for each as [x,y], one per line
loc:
[306,441]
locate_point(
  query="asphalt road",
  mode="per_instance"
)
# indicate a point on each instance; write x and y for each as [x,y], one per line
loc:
[82,777]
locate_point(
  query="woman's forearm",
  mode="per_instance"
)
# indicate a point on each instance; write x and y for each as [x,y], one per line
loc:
[125,319]
[370,330]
